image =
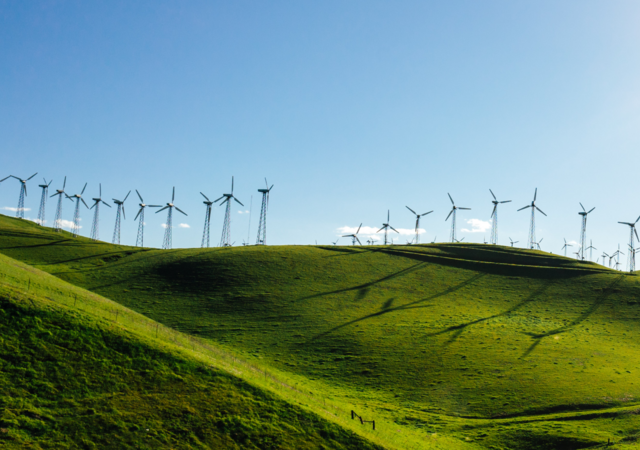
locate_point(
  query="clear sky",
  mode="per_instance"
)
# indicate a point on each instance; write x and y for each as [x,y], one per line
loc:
[349,108]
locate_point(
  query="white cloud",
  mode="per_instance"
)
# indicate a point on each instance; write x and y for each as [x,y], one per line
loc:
[67,223]
[10,208]
[477,226]
[574,243]
[163,225]
[243,212]
[184,225]
[372,231]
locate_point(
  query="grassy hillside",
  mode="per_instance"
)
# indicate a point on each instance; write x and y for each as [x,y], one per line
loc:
[490,346]
[74,379]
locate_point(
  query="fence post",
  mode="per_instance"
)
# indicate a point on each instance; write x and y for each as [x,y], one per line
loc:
[352,413]
[374,424]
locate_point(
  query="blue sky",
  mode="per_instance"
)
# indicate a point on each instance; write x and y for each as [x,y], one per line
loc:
[349,108]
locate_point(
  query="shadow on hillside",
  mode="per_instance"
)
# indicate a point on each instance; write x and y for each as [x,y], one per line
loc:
[36,245]
[366,286]
[387,306]
[457,330]
[577,321]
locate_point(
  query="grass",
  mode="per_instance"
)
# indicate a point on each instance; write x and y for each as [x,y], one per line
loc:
[444,345]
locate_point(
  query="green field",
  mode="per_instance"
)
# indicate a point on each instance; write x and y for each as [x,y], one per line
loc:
[444,345]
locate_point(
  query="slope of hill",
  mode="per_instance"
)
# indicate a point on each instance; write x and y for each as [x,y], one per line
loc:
[75,379]
[489,345]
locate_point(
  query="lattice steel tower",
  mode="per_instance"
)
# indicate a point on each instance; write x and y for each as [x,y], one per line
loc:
[95,225]
[43,201]
[262,224]
[385,227]
[583,230]
[167,242]
[57,222]
[532,224]
[494,218]
[632,250]
[75,227]
[453,212]
[225,240]
[119,212]
[23,193]
[207,222]
[140,215]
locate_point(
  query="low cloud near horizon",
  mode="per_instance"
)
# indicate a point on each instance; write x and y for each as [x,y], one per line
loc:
[477,226]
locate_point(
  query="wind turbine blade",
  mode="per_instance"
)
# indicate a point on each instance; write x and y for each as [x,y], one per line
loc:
[450,212]
[540,210]
[139,196]
[57,193]
[232,184]
[106,203]
[387,216]
[101,191]
[494,195]
[181,211]
[65,183]
[271,187]
[125,198]
[637,220]
[124,216]
[237,201]
[450,198]
[32,176]
[85,186]
[417,223]
[136,217]
[162,209]
[468,209]
[205,196]
[358,240]
[394,229]
[94,205]
[506,201]
[5,178]
[591,209]
[426,213]
[524,207]
[25,189]
[359,229]
[535,195]
[380,230]
[216,201]
[411,210]
[494,210]
[636,232]
[173,196]
[85,204]
[582,207]
[154,206]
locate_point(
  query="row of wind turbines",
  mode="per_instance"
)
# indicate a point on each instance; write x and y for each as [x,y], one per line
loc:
[532,242]
[225,240]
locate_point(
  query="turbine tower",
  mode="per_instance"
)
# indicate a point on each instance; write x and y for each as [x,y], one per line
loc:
[418,222]
[226,229]
[120,211]
[583,230]
[354,236]
[207,222]
[564,247]
[75,227]
[532,225]
[43,201]
[632,250]
[140,236]
[23,193]
[262,225]
[57,222]
[591,248]
[385,227]
[167,242]
[453,220]
[494,218]
[95,226]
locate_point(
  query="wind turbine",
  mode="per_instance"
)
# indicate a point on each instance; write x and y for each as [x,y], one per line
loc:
[617,256]
[577,254]
[494,217]
[583,229]
[336,241]
[453,221]
[43,201]
[207,222]
[538,244]
[564,247]
[632,253]
[591,248]
[143,206]
[95,226]
[532,225]
[385,227]
[226,229]
[354,237]
[23,193]
[513,242]
[418,222]
[75,227]
[116,230]
[262,223]
[604,259]
[57,222]
[167,242]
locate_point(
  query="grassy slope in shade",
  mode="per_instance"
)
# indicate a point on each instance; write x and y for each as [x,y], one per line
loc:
[71,380]
[493,346]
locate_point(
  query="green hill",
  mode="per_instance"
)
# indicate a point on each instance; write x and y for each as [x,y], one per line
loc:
[73,377]
[447,344]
